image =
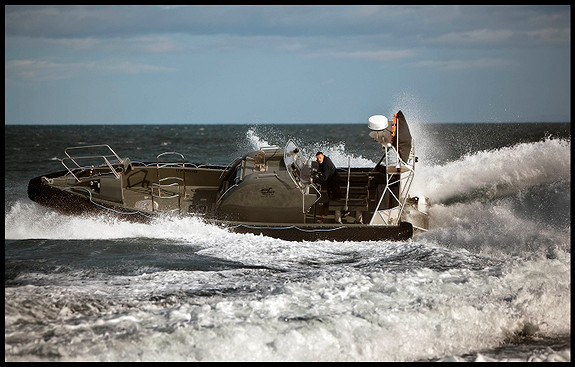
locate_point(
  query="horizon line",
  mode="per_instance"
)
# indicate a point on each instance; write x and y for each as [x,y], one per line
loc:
[265,123]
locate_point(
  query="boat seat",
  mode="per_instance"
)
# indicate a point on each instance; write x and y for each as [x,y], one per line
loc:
[126,165]
[354,190]
[360,204]
[111,189]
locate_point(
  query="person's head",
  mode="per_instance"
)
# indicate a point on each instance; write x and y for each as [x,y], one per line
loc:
[319,156]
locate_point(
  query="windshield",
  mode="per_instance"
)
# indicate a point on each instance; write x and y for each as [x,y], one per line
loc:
[296,164]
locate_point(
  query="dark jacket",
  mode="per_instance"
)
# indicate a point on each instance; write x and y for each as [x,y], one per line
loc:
[328,174]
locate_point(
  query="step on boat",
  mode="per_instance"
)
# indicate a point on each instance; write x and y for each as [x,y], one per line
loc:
[267,191]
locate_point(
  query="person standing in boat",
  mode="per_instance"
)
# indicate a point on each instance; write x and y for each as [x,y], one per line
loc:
[327,173]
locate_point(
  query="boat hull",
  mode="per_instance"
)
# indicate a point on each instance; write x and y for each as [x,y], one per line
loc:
[329,232]
[68,202]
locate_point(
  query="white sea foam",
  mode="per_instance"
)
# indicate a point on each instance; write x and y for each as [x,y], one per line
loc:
[336,314]
[341,158]
[316,308]
[311,301]
[255,141]
[26,220]
[516,167]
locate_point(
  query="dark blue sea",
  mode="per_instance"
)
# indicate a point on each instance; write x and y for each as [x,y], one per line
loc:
[490,281]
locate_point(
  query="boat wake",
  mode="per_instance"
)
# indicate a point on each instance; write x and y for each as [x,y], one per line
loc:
[510,200]
[490,174]
[26,220]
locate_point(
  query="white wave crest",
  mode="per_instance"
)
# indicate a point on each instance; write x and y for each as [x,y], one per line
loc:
[520,166]
[29,221]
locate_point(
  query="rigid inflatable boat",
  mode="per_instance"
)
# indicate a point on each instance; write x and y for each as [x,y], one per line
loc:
[267,191]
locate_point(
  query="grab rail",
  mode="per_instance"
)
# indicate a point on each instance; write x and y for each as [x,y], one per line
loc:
[403,173]
[165,164]
[159,185]
[348,174]
[93,156]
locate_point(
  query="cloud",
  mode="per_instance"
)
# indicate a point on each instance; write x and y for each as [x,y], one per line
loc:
[505,37]
[131,45]
[460,64]
[368,55]
[551,36]
[114,45]
[45,70]
[415,24]
[474,37]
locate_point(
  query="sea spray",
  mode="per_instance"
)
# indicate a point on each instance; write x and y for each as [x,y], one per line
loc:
[508,168]
[494,273]
[26,220]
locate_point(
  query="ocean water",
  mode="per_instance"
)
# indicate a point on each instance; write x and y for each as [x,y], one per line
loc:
[491,280]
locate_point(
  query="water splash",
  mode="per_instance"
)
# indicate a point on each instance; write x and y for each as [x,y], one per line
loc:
[25,220]
[339,155]
[255,141]
[494,171]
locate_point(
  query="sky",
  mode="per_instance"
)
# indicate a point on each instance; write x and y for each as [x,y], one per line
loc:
[226,64]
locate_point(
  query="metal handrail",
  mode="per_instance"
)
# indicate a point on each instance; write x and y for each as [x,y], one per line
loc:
[75,158]
[164,185]
[85,147]
[159,185]
[316,200]
[410,165]
[165,164]
[348,177]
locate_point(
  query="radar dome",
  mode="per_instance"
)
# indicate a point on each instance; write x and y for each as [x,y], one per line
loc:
[377,122]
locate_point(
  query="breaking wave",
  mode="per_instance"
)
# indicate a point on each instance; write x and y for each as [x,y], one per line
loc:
[494,172]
